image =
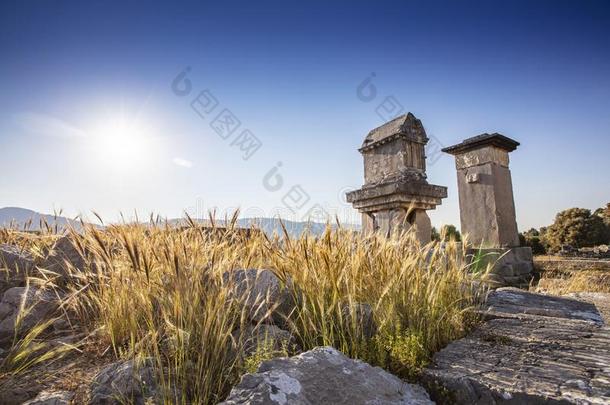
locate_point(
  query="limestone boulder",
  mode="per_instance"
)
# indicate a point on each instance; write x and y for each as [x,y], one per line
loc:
[51,398]
[38,303]
[263,294]
[125,382]
[13,258]
[323,376]
[15,263]
[65,256]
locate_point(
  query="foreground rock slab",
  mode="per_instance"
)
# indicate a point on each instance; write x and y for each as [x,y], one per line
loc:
[323,376]
[513,302]
[538,350]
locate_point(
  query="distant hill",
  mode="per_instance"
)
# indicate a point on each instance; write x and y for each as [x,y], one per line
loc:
[294,228]
[273,226]
[25,219]
[22,218]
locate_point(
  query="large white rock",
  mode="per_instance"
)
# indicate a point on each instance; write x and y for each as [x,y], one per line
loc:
[323,376]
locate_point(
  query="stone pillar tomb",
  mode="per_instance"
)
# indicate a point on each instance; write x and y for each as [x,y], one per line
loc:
[396,194]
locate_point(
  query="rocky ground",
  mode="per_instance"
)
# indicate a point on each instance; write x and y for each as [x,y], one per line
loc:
[529,348]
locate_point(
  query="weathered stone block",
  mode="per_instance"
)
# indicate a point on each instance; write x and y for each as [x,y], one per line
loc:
[51,398]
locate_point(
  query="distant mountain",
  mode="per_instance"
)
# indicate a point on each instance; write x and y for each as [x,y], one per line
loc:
[273,225]
[25,219]
[294,228]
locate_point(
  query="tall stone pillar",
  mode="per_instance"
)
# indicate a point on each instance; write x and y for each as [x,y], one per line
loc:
[487,206]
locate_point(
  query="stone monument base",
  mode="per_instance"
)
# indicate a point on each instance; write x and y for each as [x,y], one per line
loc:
[512,267]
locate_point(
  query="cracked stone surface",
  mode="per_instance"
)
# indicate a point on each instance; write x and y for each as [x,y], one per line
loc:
[323,376]
[551,354]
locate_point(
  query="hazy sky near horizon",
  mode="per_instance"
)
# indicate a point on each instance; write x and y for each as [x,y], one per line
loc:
[93,116]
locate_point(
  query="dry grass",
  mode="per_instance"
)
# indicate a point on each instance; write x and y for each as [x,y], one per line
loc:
[154,291]
[574,282]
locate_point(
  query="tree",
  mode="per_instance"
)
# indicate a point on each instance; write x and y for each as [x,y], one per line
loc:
[450,232]
[532,238]
[435,235]
[575,227]
[604,214]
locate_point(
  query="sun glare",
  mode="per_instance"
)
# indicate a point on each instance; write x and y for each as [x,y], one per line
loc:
[123,145]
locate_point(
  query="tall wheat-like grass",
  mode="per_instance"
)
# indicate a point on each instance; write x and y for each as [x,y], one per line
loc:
[156,291]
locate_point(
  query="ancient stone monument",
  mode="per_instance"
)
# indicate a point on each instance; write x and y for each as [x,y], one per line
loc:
[396,194]
[487,207]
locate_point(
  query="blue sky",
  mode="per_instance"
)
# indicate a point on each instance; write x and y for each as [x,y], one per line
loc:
[89,119]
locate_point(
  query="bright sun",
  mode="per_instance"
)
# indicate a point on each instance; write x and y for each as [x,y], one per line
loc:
[123,145]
